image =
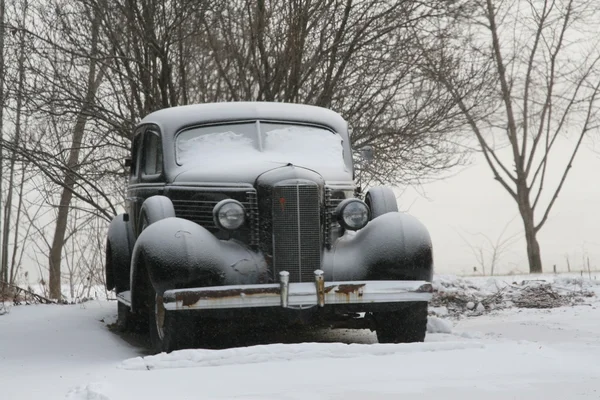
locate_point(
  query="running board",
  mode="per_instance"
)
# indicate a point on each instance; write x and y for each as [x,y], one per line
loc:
[125,298]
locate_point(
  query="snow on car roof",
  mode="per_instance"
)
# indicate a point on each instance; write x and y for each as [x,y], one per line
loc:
[173,119]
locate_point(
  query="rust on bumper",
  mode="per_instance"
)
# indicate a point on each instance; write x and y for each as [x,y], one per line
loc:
[297,295]
[189,298]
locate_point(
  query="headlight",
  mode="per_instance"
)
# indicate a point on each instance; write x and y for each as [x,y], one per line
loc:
[229,214]
[353,214]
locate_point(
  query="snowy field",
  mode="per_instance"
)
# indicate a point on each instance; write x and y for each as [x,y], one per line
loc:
[481,345]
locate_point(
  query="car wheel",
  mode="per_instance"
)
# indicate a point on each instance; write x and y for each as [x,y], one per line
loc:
[169,330]
[162,325]
[407,325]
[131,322]
[381,200]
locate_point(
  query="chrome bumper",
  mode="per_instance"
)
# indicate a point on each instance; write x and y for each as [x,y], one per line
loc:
[297,295]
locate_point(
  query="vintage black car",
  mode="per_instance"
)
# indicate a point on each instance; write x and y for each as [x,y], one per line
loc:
[247,214]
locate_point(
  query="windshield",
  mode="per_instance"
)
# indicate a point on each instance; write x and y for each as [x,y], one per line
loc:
[303,145]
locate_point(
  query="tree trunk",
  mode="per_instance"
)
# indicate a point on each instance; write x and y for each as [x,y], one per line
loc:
[3,271]
[527,215]
[533,248]
[61,219]
[14,264]
[72,167]
[16,143]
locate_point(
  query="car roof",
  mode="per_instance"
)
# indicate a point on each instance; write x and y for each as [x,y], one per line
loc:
[173,119]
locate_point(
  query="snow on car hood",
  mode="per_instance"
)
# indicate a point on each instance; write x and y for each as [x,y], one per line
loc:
[229,156]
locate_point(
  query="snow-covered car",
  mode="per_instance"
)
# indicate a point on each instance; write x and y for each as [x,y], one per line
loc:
[246,215]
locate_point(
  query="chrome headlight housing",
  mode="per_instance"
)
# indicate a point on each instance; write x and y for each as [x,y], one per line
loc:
[353,214]
[229,214]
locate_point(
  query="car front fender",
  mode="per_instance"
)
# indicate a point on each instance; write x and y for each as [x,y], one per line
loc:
[393,246]
[178,253]
[119,243]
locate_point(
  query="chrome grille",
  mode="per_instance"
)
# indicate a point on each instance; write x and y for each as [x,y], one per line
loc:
[201,212]
[198,211]
[296,231]
[252,209]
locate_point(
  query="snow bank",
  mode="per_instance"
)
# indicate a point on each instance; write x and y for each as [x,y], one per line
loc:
[454,296]
[55,352]
[283,352]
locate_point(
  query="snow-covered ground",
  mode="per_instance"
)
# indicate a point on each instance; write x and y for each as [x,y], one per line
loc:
[68,352]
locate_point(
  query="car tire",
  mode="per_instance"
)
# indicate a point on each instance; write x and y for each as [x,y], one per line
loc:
[167,329]
[381,200]
[109,275]
[407,325]
[128,321]
[153,209]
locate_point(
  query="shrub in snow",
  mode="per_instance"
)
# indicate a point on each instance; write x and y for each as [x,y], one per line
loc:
[463,296]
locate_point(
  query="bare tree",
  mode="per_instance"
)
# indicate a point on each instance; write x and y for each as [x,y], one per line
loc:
[354,57]
[523,73]
[16,138]
[3,271]
[97,66]
[93,82]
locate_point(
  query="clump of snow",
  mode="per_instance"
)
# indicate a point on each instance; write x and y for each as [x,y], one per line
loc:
[472,297]
[438,311]
[91,391]
[4,308]
[438,325]
[284,352]
[110,319]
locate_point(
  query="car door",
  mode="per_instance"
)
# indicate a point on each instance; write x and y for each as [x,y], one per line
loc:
[148,178]
[131,199]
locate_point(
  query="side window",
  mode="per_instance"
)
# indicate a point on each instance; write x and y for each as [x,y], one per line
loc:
[152,160]
[136,149]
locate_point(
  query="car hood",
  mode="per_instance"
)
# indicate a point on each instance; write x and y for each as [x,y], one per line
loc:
[242,171]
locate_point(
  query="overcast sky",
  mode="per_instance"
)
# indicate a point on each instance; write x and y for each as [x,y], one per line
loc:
[472,203]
